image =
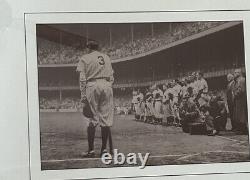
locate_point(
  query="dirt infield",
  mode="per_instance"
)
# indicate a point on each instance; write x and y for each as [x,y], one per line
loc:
[64,138]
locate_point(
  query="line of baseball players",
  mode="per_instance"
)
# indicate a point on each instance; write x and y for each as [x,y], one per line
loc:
[182,102]
[161,102]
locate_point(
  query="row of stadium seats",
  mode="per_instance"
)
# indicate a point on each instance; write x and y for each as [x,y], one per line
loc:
[74,103]
[55,103]
[179,31]
[58,83]
[54,53]
[208,70]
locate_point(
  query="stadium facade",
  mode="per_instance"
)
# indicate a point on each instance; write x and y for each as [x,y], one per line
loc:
[216,51]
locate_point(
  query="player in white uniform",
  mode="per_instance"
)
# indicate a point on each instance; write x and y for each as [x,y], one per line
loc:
[96,79]
[149,107]
[177,91]
[202,89]
[183,89]
[137,103]
[158,95]
[134,100]
[167,105]
[202,83]
[141,106]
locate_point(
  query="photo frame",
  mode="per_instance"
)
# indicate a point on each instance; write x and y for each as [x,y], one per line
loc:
[31,21]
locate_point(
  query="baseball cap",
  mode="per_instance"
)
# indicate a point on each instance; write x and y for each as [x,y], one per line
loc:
[92,45]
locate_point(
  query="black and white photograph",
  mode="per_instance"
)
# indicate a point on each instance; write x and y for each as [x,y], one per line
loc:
[141,94]
[124,89]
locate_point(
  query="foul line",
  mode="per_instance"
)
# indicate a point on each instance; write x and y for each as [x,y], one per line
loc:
[240,144]
[207,152]
[188,156]
[230,139]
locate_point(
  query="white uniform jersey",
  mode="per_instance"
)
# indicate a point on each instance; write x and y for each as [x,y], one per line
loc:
[141,96]
[95,65]
[171,91]
[134,100]
[137,104]
[194,86]
[176,90]
[183,90]
[203,85]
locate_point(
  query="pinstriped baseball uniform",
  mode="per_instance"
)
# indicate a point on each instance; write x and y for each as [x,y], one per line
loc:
[95,68]
[158,103]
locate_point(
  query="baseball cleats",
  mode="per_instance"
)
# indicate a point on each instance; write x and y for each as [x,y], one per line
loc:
[89,154]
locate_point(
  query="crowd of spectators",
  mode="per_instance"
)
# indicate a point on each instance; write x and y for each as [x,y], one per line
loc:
[122,101]
[48,103]
[73,103]
[56,103]
[58,83]
[50,52]
[54,53]
[125,47]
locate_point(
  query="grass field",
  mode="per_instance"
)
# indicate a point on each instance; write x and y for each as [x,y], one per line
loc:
[64,138]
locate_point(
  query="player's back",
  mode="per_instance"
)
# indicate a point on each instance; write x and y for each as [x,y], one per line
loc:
[97,65]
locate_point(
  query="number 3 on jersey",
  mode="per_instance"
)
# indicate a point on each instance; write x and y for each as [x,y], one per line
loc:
[101,60]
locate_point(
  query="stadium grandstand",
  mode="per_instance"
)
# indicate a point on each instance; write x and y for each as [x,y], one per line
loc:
[142,54]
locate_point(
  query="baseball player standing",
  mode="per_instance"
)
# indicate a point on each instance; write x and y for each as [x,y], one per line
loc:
[96,79]
[158,95]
